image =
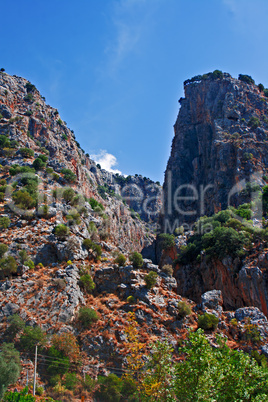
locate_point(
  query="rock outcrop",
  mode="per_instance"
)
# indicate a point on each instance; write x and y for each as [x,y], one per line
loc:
[220,145]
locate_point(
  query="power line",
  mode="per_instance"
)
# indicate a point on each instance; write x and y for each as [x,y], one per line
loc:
[55,359]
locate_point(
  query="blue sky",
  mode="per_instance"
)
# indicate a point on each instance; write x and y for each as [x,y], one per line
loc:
[114,68]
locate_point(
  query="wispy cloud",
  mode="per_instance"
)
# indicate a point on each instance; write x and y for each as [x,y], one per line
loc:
[106,160]
[131,20]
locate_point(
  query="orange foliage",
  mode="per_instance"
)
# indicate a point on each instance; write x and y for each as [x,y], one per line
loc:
[67,344]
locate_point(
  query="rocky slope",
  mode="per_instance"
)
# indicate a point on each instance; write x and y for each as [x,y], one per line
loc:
[220,145]
[63,218]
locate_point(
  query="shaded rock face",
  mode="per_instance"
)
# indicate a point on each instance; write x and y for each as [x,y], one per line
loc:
[239,287]
[216,146]
[142,195]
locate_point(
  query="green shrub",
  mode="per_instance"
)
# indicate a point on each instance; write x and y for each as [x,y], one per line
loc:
[73,217]
[8,266]
[94,203]
[23,199]
[97,249]
[9,367]
[14,144]
[89,384]
[109,388]
[217,74]
[4,142]
[55,176]
[246,78]
[166,241]
[265,91]
[251,333]
[98,210]
[136,259]
[39,390]
[120,260]
[87,243]
[68,194]
[167,269]
[2,196]
[49,170]
[43,210]
[131,300]
[70,381]
[224,241]
[208,321]
[87,316]
[26,152]
[92,228]
[16,325]
[30,87]
[151,279]
[16,169]
[244,211]
[183,309]
[261,87]
[58,364]
[264,199]
[39,164]
[23,256]
[30,264]
[86,282]
[3,249]
[61,230]
[90,245]
[210,373]
[254,122]
[31,337]
[79,200]
[261,359]
[69,176]
[4,222]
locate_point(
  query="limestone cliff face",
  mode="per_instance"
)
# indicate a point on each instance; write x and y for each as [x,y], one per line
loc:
[240,286]
[220,140]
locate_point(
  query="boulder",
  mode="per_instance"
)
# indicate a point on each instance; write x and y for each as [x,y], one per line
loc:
[10,309]
[211,302]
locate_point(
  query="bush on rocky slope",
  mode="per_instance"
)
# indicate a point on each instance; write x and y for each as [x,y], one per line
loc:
[228,232]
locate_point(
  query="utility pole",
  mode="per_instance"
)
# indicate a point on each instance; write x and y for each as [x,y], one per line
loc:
[35,364]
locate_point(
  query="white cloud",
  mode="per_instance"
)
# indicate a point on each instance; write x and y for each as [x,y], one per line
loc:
[106,160]
[131,20]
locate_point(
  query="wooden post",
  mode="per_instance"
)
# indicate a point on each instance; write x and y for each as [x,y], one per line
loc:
[35,364]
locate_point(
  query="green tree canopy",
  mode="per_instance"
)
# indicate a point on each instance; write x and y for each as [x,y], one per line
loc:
[9,366]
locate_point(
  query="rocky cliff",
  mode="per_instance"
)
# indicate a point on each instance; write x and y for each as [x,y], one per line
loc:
[220,145]
[28,122]
[65,223]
